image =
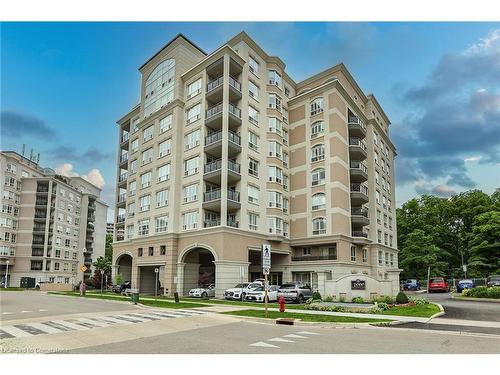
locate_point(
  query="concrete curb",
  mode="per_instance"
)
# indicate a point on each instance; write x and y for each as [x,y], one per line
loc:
[472,299]
[441,313]
[301,323]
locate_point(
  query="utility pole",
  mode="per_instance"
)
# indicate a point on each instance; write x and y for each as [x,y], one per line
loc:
[156,282]
[428,278]
[102,276]
[6,272]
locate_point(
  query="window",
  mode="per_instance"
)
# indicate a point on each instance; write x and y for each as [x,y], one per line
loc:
[56,266]
[306,251]
[365,255]
[253,167]
[275,125]
[164,173]
[253,194]
[165,123]
[253,90]
[275,174]
[319,226]
[161,224]
[353,253]
[287,92]
[379,236]
[253,141]
[275,149]
[147,134]
[145,202]
[285,182]
[318,176]
[193,113]
[190,193]
[384,201]
[253,115]
[377,196]
[375,157]
[386,259]
[36,265]
[253,219]
[275,102]
[380,262]
[316,106]
[379,217]
[146,180]
[274,78]
[386,239]
[285,159]
[163,249]
[159,90]
[285,205]
[318,153]
[130,231]
[147,156]
[189,220]
[317,128]
[132,187]
[375,138]
[275,225]
[392,259]
[131,209]
[67,243]
[385,220]
[191,166]
[253,66]
[133,166]
[318,201]
[139,252]
[191,140]
[194,89]
[165,148]
[143,227]
[377,177]
[390,240]
[162,198]
[275,199]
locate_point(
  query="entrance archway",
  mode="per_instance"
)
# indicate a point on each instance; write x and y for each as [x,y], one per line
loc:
[124,267]
[198,268]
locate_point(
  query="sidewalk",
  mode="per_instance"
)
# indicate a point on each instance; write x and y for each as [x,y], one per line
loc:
[463,322]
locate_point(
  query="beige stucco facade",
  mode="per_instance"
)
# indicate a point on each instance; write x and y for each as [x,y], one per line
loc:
[226,152]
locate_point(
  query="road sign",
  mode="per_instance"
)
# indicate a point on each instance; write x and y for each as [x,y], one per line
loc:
[266,271]
[156,270]
[464,267]
[266,256]
[83,268]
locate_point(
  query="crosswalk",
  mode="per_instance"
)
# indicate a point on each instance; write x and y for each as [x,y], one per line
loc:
[290,338]
[85,323]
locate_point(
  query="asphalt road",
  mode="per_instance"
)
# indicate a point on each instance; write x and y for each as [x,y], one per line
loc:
[34,304]
[467,310]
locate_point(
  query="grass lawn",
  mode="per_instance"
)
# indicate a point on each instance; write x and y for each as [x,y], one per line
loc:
[424,311]
[305,317]
[13,289]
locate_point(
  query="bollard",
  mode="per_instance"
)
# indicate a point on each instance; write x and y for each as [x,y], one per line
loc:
[176,297]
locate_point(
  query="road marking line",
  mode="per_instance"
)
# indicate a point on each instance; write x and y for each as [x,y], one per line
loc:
[16,332]
[42,310]
[143,316]
[30,329]
[279,339]
[127,319]
[104,321]
[307,333]
[83,323]
[7,313]
[5,335]
[292,335]
[26,311]
[98,324]
[117,321]
[163,315]
[264,345]
[59,326]
[43,327]
[75,327]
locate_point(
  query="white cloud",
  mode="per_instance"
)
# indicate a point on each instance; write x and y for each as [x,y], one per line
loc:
[473,158]
[93,176]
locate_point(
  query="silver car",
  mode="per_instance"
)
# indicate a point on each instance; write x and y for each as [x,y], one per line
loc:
[295,291]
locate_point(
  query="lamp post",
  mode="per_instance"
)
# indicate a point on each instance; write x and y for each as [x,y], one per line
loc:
[6,273]
[102,275]
[156,282]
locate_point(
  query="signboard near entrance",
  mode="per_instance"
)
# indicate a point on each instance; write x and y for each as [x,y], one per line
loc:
[266,258]
[83,268]
[358,284]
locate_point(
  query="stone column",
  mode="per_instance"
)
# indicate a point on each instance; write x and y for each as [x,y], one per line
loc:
[135,278]
[187,277]
[228,274]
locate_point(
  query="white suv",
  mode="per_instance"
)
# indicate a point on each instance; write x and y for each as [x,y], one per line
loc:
[240,291]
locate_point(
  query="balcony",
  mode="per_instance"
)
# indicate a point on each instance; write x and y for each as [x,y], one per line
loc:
[215,90]
[356,127]
[314,258]
[41,202]
[213,143]
[211,223]
[125,137]
[359,216]
[359,171]
[359,194]
[121,199]
[360,237]
[120,219]
[357,149]
[212,200]
[122,179]
[124,158]
[213,116]
[213,170]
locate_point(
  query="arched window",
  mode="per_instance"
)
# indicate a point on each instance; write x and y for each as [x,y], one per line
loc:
[318,176]
[159,89]
[319,226]
[316,106]
[318,153]
[317,128]
[318,201]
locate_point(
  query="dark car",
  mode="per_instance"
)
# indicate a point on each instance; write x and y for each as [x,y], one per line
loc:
[118,288]
[438,284]
[296,292]
[493,280]
[465,284]
[411,284]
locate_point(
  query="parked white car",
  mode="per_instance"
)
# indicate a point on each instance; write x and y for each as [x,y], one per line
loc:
[203,292]
[258,294]
[235,293]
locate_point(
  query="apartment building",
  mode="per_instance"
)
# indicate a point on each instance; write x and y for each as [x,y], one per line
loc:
[225,152]
[50,225]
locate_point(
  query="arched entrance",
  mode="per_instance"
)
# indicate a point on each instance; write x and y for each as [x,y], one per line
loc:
[196,268]
[124,267]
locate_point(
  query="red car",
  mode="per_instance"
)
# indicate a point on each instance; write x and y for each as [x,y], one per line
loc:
[438,284]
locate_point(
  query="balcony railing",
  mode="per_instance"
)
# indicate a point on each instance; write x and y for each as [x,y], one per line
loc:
[359,234]
[358,165]
[354,120]
[124,157]
[215,110]
[213,195]
[234,83]
[125,137]
[123,177]
[217,136]
[232,223]
[212,85]
[233,166]
[357,142]
[234,110]
[122,197]
[213,166]
[120,218]
[359,188]
[359,211]
[233,195]
[314,258]
[211,223]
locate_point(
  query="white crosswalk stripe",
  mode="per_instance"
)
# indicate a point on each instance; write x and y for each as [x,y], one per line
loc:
[285,339]
[85,323]
[307,333]
[264,344]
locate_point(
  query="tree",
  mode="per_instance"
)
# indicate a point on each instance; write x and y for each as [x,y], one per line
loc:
[102,263]
[108,252]
[485,244]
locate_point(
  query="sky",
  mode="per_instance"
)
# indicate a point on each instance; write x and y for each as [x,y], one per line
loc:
[64,85]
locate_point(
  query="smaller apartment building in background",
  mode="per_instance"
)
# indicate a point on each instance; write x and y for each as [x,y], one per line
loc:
[225,152]
[50,225]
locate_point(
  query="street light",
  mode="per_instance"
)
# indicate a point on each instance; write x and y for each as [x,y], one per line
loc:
[6,273]
[156,282]
[102,275]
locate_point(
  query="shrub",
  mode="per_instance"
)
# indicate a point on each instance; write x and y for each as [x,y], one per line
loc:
[418,301]
[402,298]
[316,296]
[119,279]
[382,305]
[358,300]
[376,310]
[384,299]
[482,292]
[309,301]
[328,299]
[319,307]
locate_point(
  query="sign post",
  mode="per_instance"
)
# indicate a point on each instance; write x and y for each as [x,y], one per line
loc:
[156,282]
[102,276]
[464,267]
[266,268]
[428,278]
[6,273]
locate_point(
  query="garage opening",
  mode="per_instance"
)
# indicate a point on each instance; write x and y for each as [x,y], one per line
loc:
[124,267]
[199,269]
[148,278]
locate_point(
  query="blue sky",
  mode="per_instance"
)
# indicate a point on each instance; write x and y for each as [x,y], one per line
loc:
[63,86]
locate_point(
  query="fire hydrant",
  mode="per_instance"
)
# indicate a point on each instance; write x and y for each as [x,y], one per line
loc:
[281,301]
